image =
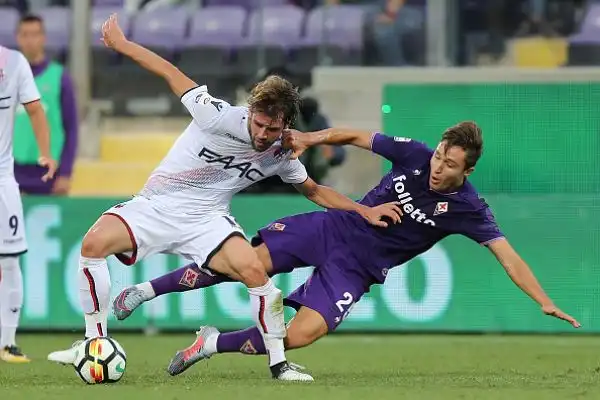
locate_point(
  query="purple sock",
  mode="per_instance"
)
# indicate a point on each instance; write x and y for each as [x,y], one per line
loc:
[185,278]
[248,341]
[190,277]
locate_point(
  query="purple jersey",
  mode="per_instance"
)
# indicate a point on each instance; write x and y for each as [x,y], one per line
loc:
[429,216]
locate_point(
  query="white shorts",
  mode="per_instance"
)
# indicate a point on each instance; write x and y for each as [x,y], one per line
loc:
[12,225]
[154,230]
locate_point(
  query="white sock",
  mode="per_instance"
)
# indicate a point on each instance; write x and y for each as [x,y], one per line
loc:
[7,337]
[94,294]
[147,289]
[267,312]
[11,299]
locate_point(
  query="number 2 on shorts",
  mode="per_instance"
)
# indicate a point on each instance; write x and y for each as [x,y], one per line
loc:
[348,302]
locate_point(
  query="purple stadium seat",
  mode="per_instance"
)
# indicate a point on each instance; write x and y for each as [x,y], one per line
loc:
[281,26]
[340,26]
[214,32]
[162,28]
[590,28]
[9,18]
[101,14]
[249,4]
[217,27]
[585,37]
[339,30]
[278,28]
[57,21]
[111,3]
[591,22]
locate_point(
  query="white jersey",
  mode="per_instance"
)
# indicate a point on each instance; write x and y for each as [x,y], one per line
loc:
[213,159]
[17,86]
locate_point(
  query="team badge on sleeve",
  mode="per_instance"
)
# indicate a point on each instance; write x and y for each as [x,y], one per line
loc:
[189,278]
[276,226]
[441,208]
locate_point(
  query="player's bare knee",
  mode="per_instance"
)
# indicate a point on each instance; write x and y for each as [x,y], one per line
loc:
[252,273]
[94,246]
[301,336]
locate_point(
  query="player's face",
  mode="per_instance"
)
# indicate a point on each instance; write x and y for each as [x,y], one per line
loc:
[31,40]
[448,168]
[264,130]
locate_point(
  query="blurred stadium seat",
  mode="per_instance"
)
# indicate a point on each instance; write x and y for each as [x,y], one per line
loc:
[339,29]
[220,43]
[278,28]
[113,3]
[57,22]
[214,33]
[9,17]
[584,46]
[249,4]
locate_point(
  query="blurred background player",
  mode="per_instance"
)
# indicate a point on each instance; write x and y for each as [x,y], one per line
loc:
[60,104]
[16,87]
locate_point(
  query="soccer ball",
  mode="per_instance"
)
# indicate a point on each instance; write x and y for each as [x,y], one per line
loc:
[100,360]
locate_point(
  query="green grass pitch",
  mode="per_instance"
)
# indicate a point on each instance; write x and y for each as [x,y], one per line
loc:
[417,367]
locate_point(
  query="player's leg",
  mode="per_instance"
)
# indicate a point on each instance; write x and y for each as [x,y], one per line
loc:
[190,277]
[109,235]
[12,245]
[237,259]
[281,247]
[11,301]
[305,328]
[323,302]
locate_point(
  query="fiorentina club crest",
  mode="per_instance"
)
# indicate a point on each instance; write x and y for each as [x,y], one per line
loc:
[441,208]
[248,348]
[189,278]
[276,226]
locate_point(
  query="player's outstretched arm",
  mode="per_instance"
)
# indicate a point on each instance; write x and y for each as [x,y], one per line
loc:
[299,141]
[523,277]
[327,197]
[113,37]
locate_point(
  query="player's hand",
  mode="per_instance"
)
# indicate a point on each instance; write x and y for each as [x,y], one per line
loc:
[375,215]
[555,312]
[50,164]
[112,34]
[296,141]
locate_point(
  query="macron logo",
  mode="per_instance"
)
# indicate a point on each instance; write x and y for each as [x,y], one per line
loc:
[405,200]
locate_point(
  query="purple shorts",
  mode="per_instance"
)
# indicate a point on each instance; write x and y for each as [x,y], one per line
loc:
[338,281]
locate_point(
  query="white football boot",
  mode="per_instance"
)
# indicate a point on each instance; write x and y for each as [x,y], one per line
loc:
[65,357]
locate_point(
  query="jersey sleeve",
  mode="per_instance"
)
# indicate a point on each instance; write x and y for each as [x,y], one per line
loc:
[398,150]
[482,227]
[27,89]
[293,171]
[204,109]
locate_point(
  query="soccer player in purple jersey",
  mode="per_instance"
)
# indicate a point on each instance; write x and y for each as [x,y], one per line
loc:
[349,255]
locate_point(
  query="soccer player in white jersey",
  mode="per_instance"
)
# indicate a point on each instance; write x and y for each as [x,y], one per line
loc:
[16,87]
[184,207]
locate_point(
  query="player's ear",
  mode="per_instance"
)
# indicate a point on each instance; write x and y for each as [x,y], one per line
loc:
[469,171]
